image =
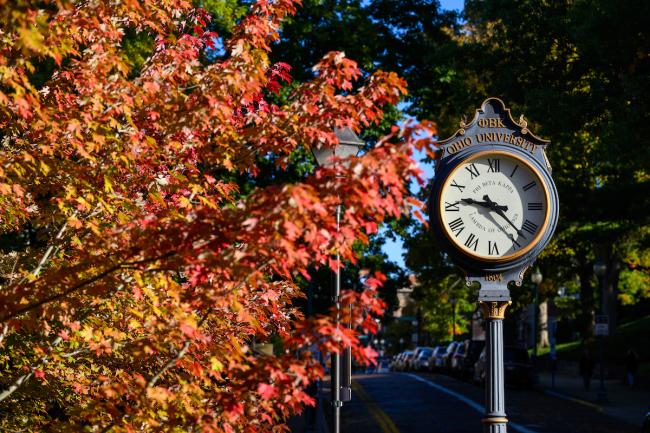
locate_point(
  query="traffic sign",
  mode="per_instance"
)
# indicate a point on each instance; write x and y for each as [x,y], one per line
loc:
[601,328]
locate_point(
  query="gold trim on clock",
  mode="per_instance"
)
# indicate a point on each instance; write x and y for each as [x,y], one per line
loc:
[483,257]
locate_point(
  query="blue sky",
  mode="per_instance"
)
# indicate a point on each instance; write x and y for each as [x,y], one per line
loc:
[452,4]
[395,249]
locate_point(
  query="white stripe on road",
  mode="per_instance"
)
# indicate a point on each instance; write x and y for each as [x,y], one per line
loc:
[467,401]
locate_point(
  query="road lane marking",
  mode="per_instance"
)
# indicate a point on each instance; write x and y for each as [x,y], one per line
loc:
[467,401]
[385,423]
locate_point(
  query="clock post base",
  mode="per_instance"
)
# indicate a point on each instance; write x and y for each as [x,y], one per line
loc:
[495,420]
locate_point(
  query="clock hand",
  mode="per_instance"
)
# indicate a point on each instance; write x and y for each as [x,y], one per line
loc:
[500,225]
[484,204]
[495,207]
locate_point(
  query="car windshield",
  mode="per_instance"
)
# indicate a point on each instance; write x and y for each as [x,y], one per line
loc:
[425,353]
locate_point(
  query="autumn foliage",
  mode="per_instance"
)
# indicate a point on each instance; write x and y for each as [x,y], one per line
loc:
[145,274]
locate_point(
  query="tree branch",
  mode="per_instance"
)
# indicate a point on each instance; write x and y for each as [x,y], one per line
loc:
[25,377]
[5,330]
[44,359]
[80,285]
[187,344]
[169,364]
[49,251]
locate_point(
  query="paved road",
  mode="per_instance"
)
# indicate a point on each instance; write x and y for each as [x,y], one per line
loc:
[426,403]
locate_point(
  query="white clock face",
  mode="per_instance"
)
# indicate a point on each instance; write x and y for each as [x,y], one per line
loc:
[494,206]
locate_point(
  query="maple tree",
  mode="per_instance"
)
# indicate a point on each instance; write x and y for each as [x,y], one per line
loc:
[135,273]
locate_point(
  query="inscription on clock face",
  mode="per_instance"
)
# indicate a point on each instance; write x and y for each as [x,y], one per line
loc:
[494,206]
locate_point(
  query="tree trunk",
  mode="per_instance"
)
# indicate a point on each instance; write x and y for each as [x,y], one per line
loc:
[610,304]
[543,325]
[586,318]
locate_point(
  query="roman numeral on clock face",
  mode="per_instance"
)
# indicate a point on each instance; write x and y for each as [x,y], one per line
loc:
[492,249]
[494,165]
[457,226]
[534,206]
[514,170]
[472,241]
[456,185]
[530,185]
[473,170]
[452,207]
[529,226]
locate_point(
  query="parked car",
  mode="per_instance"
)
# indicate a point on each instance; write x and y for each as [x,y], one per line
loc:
[421,362]
[431,360]
[479,368]
[439,362]
[395,361]
[394,365]
[458,357]
[410,361]
[472,352]
[402,365]
[516,364]
[446,357]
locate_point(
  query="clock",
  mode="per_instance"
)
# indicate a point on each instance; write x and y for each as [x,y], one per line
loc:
[493,204]
[493,208]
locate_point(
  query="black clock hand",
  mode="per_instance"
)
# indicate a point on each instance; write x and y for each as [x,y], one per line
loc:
[483,203]
[500,225]
[495,207]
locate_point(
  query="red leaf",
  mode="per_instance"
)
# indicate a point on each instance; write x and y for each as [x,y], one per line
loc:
[266,391]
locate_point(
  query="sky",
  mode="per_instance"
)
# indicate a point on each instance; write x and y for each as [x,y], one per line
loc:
[452,4]
[395,249]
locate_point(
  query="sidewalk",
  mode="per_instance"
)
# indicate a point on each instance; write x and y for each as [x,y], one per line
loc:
[627,404]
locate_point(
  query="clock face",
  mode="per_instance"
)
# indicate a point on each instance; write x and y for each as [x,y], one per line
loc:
[494,206]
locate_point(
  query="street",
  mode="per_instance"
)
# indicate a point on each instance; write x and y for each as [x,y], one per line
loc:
[431,403]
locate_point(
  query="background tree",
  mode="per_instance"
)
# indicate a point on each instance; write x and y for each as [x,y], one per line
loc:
[560,64]
[581,87]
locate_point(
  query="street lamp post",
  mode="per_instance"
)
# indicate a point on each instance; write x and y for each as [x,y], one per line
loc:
[349,145]
[536,278]
[600,269]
